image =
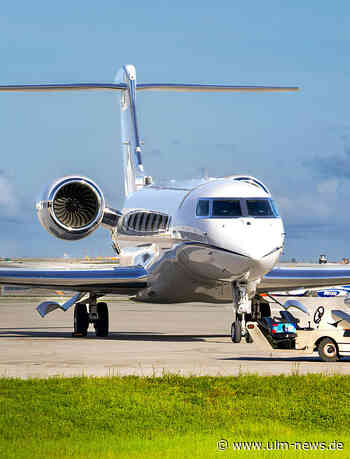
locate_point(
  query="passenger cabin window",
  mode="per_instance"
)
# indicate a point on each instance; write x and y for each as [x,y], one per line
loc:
[226,208]
[259,208]
[202,208]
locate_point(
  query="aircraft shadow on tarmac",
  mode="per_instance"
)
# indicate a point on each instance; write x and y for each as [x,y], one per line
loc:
[113,336]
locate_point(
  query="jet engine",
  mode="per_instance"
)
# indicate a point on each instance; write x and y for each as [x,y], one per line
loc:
[73,207]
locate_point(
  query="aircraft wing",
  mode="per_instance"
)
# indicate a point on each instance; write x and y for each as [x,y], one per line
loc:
[291,278]
[119,279]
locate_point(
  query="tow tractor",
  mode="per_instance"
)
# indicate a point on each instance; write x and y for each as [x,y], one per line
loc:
[328,333]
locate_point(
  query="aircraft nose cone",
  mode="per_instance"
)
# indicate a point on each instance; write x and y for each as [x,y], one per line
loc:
[260,252]
[254,238]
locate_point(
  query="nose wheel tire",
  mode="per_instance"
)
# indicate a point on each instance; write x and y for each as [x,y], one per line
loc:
[248,338]
[265,310]
[81,320]
[327,350]
[236,331]
[102,323]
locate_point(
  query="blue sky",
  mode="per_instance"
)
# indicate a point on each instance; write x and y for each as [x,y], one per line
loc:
[298,144]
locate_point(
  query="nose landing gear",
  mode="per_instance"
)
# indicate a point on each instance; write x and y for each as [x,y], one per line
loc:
[241,308]
[245,310]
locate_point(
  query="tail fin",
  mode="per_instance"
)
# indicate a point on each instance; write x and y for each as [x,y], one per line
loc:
[134,176]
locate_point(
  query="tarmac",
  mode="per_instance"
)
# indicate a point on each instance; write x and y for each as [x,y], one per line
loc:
[145,339]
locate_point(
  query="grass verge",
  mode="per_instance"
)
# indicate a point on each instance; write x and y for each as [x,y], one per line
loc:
[173,416]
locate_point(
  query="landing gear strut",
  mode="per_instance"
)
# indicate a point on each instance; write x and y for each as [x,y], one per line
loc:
[245,310]
[97,315]
[241,308]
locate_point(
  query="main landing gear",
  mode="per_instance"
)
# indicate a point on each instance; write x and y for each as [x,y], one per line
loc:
[245,310]
[97,315]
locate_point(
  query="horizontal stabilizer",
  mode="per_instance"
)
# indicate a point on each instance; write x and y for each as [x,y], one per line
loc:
[179,87]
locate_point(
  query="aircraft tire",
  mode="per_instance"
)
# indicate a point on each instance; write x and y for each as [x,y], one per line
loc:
[81,320]
[248,338]
[236,331]
[265,310]
[328,350]
[102,323]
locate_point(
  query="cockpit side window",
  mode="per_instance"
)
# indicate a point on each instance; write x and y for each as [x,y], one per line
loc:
[202,209]
[274,207]
[226,208]
[259,208]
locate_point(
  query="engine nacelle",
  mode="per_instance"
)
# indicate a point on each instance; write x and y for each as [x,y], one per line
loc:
[71,208]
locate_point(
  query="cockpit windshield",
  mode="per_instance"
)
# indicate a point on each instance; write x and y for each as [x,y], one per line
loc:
[236,207]
[226,208]
[259,208]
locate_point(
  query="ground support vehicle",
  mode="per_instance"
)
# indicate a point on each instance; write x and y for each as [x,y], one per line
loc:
[328,334]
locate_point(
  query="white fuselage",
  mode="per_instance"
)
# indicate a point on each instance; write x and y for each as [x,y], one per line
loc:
[224,230]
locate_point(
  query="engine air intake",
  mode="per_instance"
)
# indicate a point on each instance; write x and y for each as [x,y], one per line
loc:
[76,205]
[72,208]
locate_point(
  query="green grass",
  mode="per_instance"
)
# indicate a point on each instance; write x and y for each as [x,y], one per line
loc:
[171,416]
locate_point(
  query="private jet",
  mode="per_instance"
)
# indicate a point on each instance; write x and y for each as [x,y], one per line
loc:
[217,242]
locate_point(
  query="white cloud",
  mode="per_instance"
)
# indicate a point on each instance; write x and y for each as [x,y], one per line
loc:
[329,186]
[304,208]
[317,205]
